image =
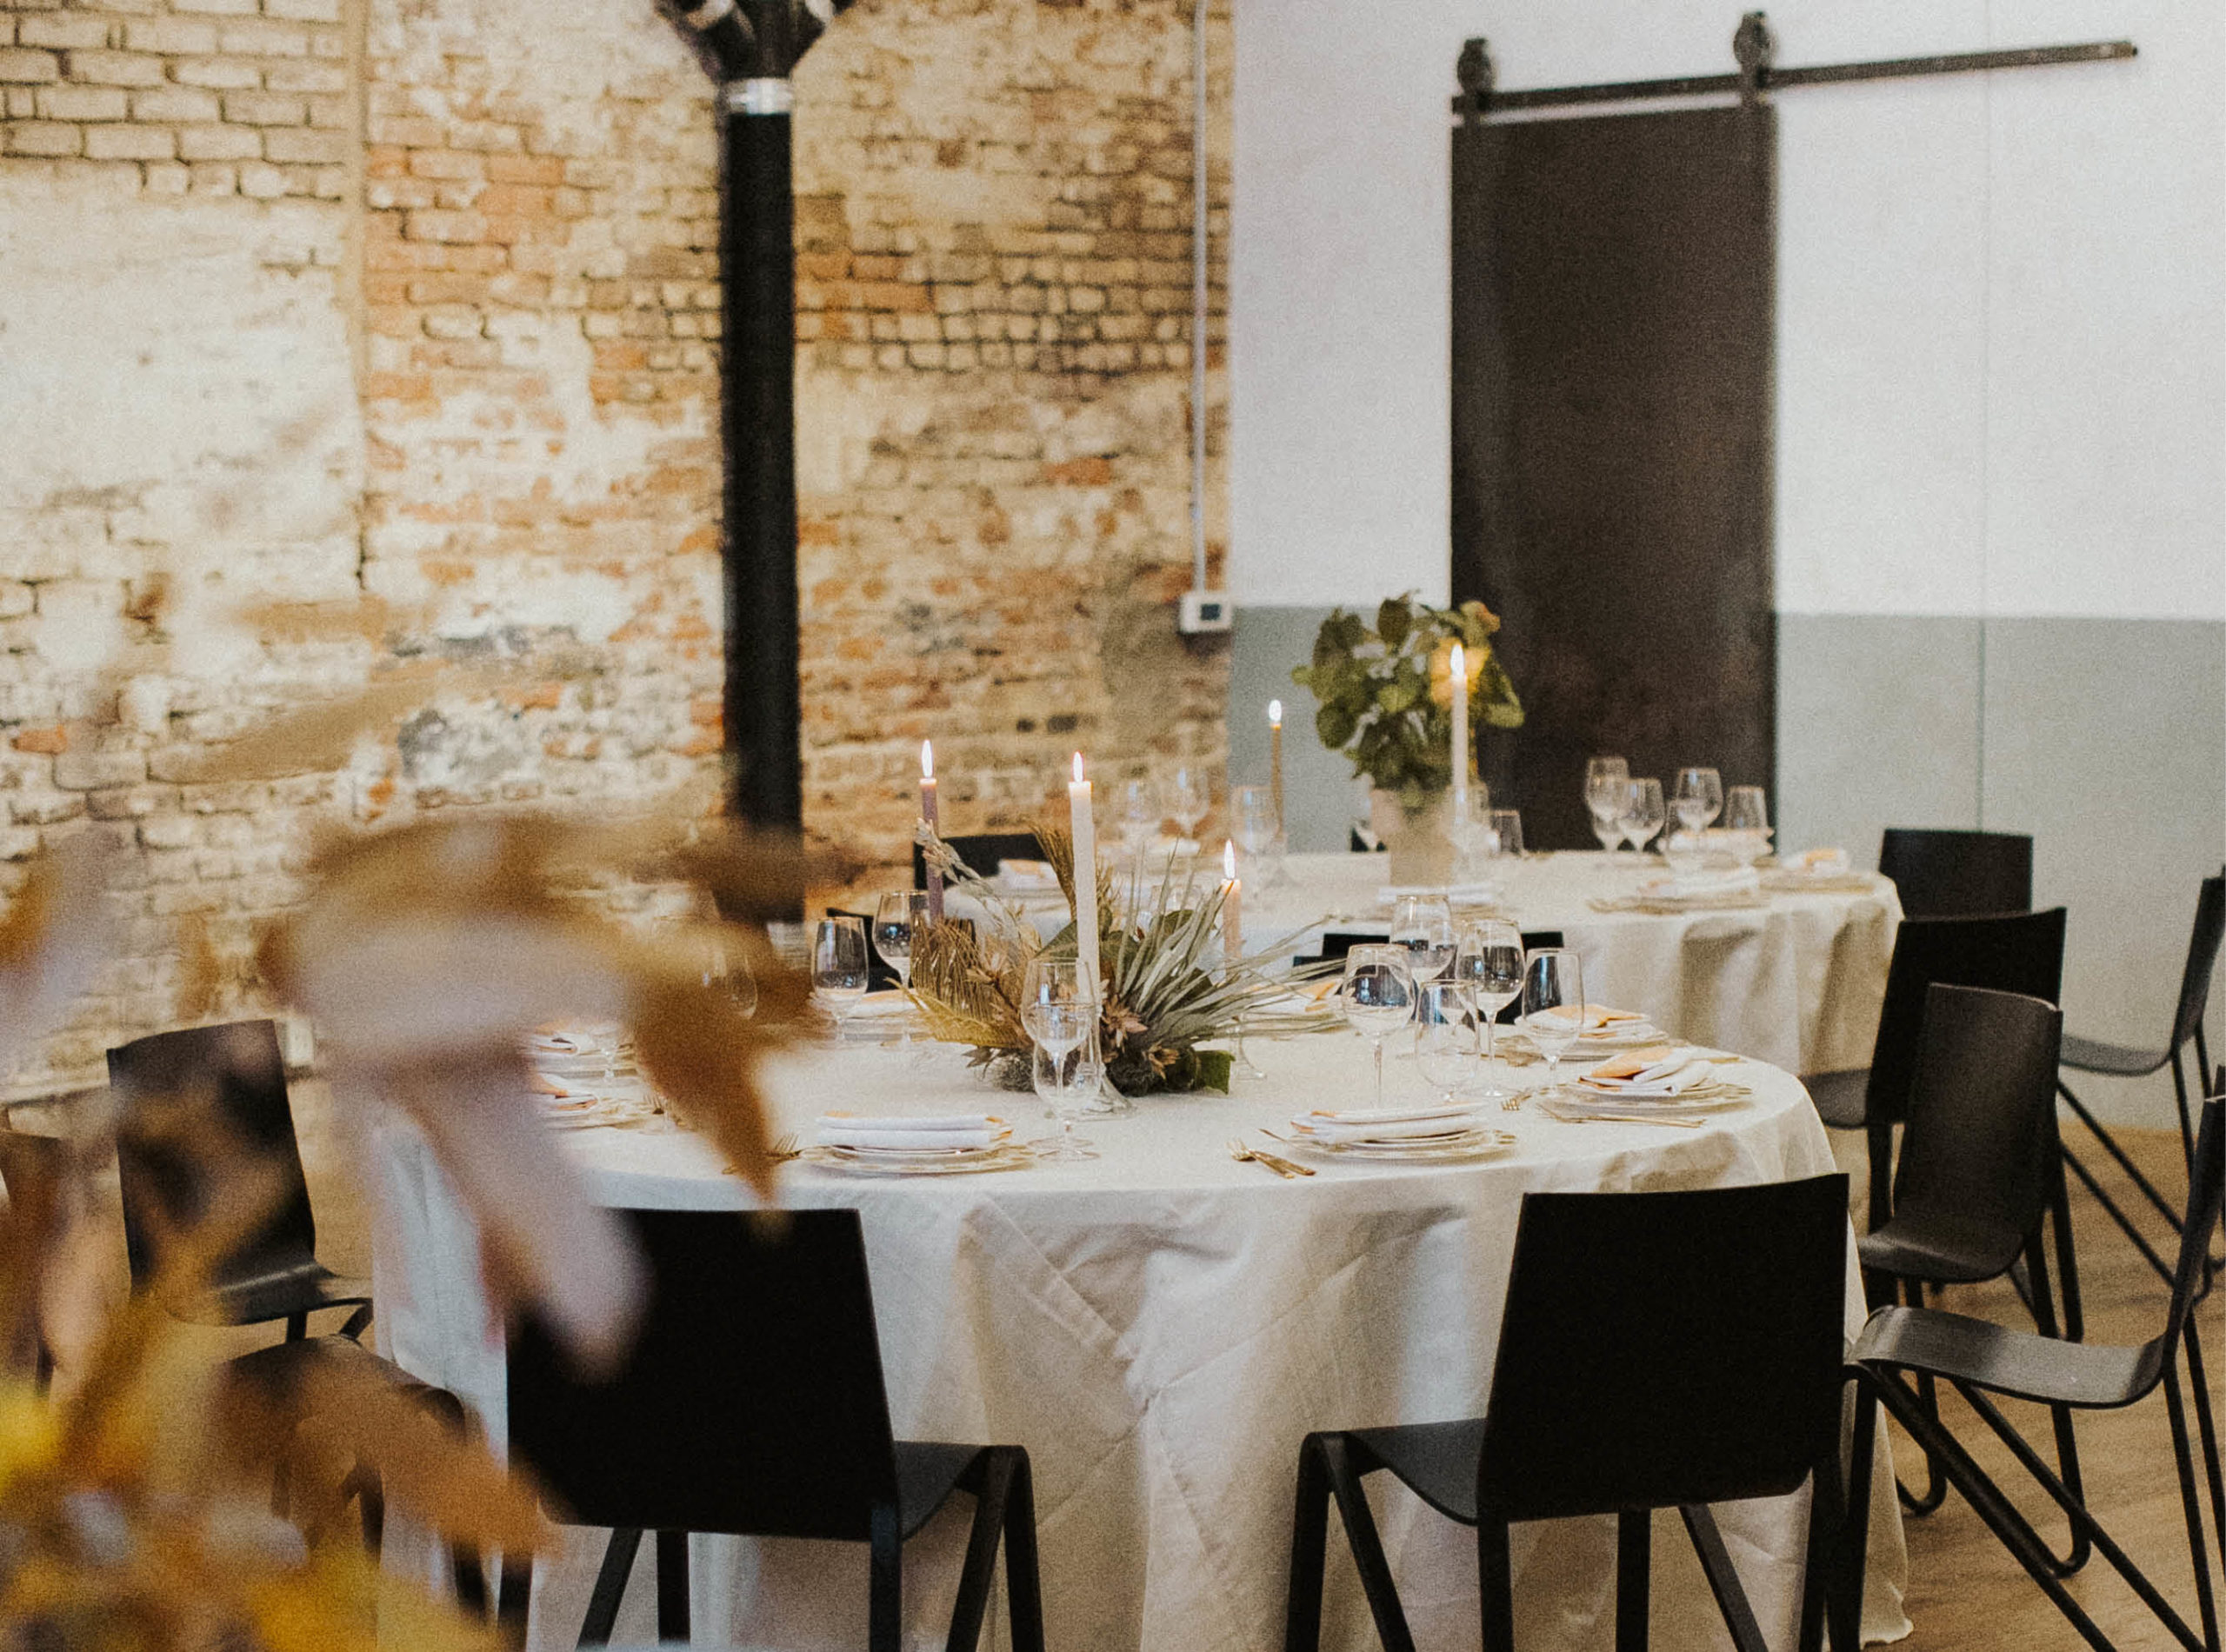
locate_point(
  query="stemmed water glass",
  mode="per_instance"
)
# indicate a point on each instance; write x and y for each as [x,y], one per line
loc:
[898,918]
[1059,1012]
[1604,781]
[1140,816]
[1747,809]
[1643,815]
[1445,1044]
[839,964]
[1188,798]
[1423,925]
[1489,967]
[1553,1006]
[1377,998]
[1698,798]
[1252,820]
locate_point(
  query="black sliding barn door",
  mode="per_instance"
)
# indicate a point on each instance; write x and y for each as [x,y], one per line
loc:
[1613,281]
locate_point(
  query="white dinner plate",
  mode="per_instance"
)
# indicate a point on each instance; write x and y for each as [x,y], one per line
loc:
[1476,1142]
[947,1161]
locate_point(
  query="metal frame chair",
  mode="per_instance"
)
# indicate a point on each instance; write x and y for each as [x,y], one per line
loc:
[1957,873]
[166,1168]
[751,1402]
[2117,1061]
[1978,1359]
[1727,1303]
[982,852]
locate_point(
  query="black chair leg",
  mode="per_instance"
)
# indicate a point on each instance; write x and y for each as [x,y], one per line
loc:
[672,1587]
[1844,1597]
[513,1595]
[1634,1567]
[1879,1140]
[1935,1487]
[2199,1387]
[1826,1514]
[298,1327]
[1496,1585]
[885,1586]
[1023,1581]
[2095,1191]
[1367,1549]
[2067,1442]
[2191,1506]
[2187,1122]
[611,1586]
[991,1483]
[1722,1578]
[353,1326]
[1309,1540]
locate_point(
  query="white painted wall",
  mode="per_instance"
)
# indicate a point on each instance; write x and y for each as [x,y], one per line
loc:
[2002,348]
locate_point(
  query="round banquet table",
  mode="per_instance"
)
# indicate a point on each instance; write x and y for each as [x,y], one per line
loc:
[1795,981]
[1159,1326]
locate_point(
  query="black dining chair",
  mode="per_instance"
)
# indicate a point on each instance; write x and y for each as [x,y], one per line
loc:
[2118,1061]
[1978,1173]
[982,852]
[1957,873]
[1979,1359]
[32,1171]
[192,1107]
[2016,953]
[1657,1350]
[752,1404]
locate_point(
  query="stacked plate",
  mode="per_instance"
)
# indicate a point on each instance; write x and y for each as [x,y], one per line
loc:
[949,1144]
[588,1074]
[1656,1083]
[1407,1134]
[1605,1030]
[877,1018]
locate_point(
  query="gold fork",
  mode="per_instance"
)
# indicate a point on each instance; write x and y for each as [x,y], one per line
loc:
[1282,1168]
[784,1147]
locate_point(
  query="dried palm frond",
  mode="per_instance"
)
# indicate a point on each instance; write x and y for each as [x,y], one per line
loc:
[964,996]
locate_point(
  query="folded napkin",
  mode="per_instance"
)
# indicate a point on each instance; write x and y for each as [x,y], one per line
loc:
[946,1130]
[1032,877]
[1672,1075]
[1451,1121]
[1382,1114]
[1819,863]
[1597,1017]
[1481,893]
[1739,880]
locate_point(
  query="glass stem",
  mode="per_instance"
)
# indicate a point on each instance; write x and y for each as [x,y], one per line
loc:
[1379,1073]
[1492,1025]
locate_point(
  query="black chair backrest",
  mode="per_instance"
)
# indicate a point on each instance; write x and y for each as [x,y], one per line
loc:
[162,1084]
[981,852]
[1667,1348]
[751,1400]
[2202,957]
[1980,1138]
[1951,875]
[1336,942]
[2018,952]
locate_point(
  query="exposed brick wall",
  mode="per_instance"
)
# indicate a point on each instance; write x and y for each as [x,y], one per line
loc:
[417,299]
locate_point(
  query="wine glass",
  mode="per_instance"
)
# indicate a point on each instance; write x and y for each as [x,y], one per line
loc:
[1643,815]
[1604,779]
[1189,797]
[1423,925]
[1507,827]
[1060,1012]
[1488,966]
[1140,815]
[1252,810]
[1472,831]
[1553,1006]
[1698,797]
[1445,1042]
[726,966]
[1746,810]
[1378,997]
[839,964]
[898,918]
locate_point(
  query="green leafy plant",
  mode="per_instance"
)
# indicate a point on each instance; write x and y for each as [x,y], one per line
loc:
[1386,695]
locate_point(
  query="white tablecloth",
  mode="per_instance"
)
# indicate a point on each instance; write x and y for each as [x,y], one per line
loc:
[1159,1328]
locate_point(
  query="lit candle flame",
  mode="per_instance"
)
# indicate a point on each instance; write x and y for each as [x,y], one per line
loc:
[1275,714]
[927,760]
[1459,662]
[1229,859]
[1077,769]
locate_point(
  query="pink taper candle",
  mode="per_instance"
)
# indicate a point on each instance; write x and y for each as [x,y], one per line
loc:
[1275,757]
[927,814]
[1232,908]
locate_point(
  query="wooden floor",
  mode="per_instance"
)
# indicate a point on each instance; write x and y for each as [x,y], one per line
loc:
[1965,1591]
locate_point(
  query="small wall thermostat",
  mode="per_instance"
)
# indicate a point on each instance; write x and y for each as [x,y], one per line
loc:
[1204,611]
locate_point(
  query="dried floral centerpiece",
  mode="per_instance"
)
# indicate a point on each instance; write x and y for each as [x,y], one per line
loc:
[1168,987]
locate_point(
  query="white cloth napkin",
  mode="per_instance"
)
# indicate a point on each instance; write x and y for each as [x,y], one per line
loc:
[1741,880]
[1673,1075]
[1818,863]
[1387,1124]
[1027,877]
[1477,894]
[947,1130]
[1599,1018]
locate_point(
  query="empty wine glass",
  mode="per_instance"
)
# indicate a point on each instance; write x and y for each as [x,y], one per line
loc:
[1471,830]
[899,916]
[1377,998]
[1189,797]
[1060,1012]
[1643,815]
[1445,1040]
[1553,1006]
[1698,797]
[1507,827]
[1604,779]
[839,964]
[726,966]
[1746,810]
[1140,815]
[1488,966]
[1423,925]
[1252,810]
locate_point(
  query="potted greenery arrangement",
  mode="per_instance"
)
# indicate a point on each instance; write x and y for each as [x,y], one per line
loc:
[1386,698]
